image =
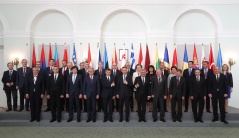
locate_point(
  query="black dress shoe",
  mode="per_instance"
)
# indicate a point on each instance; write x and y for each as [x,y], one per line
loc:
[174,120]
[121,120]
[69,120]
[127,120]
[78,120]
[94,120]
[32,120]
[162,120]
[186,110]
[105,120]
[214,120]
[179,120]
[155,120]
[48,109]
[139,120]
[14,109]
[9,109]
[38,120]
[111,120]
[224,121]
[165,110]
[58,120]
[209,111]
[88,120]
[200,120]
[52,120]
[144,120]
[195,120]
[20,110]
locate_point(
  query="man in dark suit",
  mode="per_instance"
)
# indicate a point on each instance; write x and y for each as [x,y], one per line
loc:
[177,91]
[158,93]
[218,92]
[35,88]
[142,84]
[188,74]
[91,91]
[9,86]
[56,92]
[130,72]
[100,72]
[116,73]
[124,92]
[81,65]
[108,95]
[41,72]
[207,74]
[74,92]
[165,73]
[48,72]
[63,71]
[198,95]
[22,74]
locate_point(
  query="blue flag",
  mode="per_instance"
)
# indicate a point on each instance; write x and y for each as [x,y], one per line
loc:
[132,57]
[166,58]
[105,59]
[74,61]
[185,59]
[219,58]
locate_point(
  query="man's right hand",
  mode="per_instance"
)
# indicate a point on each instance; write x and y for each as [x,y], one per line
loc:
[85,97]
[117,96]
[67,95]
[48,96]
[152,96]
[27,96]
[210,95]
[17,87]
[192,97]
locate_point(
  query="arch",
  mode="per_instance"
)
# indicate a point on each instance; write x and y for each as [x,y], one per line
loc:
[51,7]
[4,22]
[119,8]
[189,8]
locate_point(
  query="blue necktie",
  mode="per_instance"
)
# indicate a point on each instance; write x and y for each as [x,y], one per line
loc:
[10,74]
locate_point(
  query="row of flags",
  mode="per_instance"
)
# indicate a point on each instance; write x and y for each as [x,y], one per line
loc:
[157,61]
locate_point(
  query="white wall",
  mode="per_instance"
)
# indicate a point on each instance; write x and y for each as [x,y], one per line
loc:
[132,21]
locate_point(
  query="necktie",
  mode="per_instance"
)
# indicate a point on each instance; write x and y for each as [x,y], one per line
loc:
[190,71]
[177,81]
[24,72]
[143,80]
[217,78]
[108,78]
[91,79]
[197,79]
[100,72]
[124,77]
[55,79]
[63,71]
[10,74]
[159,78]
[34,79]
[74,78]
[205,73]
[50,69]
[114,72]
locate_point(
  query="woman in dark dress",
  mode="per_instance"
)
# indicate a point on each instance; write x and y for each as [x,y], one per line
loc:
[150,74]
[225,71]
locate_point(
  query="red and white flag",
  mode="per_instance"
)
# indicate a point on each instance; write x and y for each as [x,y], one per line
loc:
[123,57]
[140,59]
[203,58]
[211,59]
[65,57]
[89,56]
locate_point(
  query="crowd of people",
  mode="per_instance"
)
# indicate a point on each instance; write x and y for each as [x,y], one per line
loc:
[112,90]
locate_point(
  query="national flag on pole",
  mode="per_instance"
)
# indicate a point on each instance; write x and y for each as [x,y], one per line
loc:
[132,57]
[203,57]
[74,61]
[140,59]
[147,58]
[105,62]
[123,57]
[81,53]
[219,58]
[65,57]
[211,59]
[33,56]
[157,61]
[56,58]
[50,55]
[114,57]
[195,58]
[185,59]
[43,61]
[175,59]
[89,56]
[99,56]
[166,58]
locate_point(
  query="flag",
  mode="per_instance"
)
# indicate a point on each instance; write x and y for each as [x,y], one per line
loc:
[105,62]
[132,57]
[203,58]
[43,61]
[74,61]
[89,56]
[123,57]
[56,57]
[195,58]
[99,56]
[147,58]
[211,59]
[50,55]
[175,59]
[114,58]
[166,58]
[219,58]
[81,53]
[185,59]
[65,57]
[33,56]
[157,61]
[140,59]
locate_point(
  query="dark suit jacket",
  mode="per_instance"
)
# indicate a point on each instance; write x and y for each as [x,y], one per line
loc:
[97,73]
[229,79]
[165,73]
[91,88]
[218,87]
[39,87]
[177,90]
[124,90]
[143,89]
[82,73]
[7,79]
[209,73]
[187,77]
[107,90]
[159,89]
[131,72]
[22,79]
[198,89]
[58,88]
[76,88]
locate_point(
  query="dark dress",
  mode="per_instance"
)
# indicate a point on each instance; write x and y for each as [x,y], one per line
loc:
[230,83]
[150,77]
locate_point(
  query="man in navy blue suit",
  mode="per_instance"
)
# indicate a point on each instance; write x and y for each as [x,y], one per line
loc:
[41,72]
[91,91]
[22,74]
[108,94]
[74,92]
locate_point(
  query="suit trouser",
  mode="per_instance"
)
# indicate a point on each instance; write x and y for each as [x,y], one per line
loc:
[175,100]
[165,105]
[198,101]
[100,104]
[107,107]
[115,104]
[74,98]
[215,98]
[35,104]
[124,100]
[91,107]
[186,101]
[22,95]
[56,103]
[208,99]
[141,102]
[161,105]
[11,94]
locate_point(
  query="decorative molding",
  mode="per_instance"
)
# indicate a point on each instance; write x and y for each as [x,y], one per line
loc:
[124,35]
[195,35]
